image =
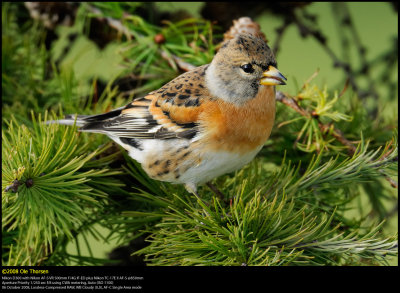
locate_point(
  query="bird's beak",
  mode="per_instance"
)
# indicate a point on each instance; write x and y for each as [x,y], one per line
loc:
[272,76]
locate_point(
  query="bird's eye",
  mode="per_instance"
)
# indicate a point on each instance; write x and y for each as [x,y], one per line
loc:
[248,68]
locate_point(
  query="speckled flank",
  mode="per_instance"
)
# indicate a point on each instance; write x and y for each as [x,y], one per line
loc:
[172,163]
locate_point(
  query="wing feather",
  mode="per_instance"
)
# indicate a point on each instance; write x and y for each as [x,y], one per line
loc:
[170,112]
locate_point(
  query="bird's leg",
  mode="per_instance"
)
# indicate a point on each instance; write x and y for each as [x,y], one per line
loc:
[191,188]
[216,191]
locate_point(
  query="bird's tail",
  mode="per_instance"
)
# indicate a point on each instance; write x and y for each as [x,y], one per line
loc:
[86,121]
[70,120]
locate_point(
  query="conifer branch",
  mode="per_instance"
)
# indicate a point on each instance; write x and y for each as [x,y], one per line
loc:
[49,165]
[292,103]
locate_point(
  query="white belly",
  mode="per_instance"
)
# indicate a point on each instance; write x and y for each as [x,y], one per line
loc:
[216,164]
[198,168]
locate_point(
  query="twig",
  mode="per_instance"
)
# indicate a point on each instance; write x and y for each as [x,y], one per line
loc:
[114,23]
[172,60]
[217,192]
[392,182]
[337,133]
[118,25]
[280,31]
[347,68]
[292,103]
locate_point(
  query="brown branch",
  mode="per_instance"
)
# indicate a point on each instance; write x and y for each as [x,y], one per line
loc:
[217,192]
[392,182]
[114,23]
[280,31]
[176,61]
[292,103]
[351,74]
[337,133]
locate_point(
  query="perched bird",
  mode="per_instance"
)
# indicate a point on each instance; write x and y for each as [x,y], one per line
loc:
[204,123]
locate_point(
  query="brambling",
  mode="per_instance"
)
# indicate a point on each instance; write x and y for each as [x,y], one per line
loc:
[204,123]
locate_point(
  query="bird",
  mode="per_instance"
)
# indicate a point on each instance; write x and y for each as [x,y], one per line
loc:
[206,122]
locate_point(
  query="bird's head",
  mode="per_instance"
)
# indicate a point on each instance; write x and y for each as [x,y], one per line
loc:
[241,67]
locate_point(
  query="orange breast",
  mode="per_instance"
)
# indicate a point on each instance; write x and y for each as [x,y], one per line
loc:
[239,128]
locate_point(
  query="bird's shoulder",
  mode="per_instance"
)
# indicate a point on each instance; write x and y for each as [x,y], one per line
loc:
[175,107]
[179,101]
[186,90]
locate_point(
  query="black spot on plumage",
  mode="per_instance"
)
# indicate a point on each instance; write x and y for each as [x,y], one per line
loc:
[132,142]
[185,155]
[150,120]
[192,103]
[183,97]
[188,91]
[181,149]
[177,173]
[178,86]
[155,163]
[171,94]
[188,134]
[163,173]
[188,125]
[255,85]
